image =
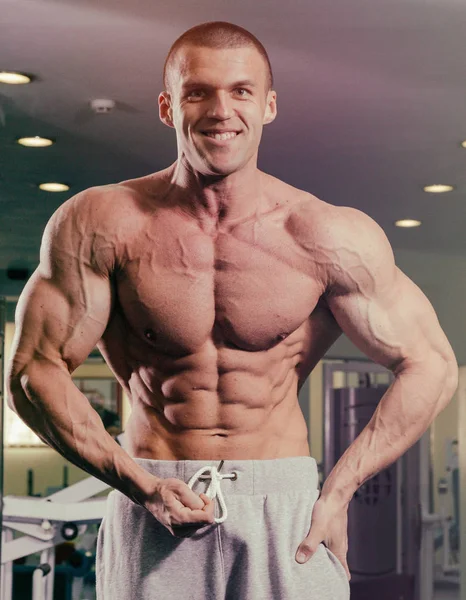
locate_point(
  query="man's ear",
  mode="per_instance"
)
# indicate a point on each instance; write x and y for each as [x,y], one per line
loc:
[165,109]
[271,107]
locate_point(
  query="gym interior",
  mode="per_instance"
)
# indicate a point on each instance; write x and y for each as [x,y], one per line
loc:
[371,114]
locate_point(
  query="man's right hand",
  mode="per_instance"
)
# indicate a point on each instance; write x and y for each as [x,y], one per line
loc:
[180,510]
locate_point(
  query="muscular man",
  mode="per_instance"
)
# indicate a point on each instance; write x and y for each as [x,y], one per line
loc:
[212,290]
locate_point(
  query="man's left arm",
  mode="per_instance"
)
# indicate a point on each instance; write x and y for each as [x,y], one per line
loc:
[387,317]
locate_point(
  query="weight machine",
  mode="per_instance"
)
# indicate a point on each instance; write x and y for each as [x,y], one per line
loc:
[44,523]
[391,523]
[448,531]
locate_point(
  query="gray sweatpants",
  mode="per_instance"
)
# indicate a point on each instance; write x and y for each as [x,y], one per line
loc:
[263,513]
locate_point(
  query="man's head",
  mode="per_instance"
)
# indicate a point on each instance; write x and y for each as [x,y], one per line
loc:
[215,35]
[217,78]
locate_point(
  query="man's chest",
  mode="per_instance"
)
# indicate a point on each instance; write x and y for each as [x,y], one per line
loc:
[249,288]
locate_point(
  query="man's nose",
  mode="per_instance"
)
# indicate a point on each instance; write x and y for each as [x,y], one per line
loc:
[220,106]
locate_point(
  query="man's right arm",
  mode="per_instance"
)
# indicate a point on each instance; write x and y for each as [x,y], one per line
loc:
[61,314]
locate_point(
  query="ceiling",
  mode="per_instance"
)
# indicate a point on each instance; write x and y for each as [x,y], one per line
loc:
[371,105]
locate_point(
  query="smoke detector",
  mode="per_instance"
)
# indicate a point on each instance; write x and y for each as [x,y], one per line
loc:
[102,105]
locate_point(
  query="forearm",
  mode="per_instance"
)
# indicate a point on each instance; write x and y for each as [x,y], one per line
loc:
[416,396]
[47,400]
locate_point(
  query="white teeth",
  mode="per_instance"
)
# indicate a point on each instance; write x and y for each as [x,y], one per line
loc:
[222,136]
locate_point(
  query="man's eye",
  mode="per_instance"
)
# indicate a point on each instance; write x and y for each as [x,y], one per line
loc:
[239,90]
[195,94]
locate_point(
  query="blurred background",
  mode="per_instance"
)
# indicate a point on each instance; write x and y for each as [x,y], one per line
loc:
[371,114]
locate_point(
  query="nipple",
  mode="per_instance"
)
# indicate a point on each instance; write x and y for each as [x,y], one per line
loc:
[149,334]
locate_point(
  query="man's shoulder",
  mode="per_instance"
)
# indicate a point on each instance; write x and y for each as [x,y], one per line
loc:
[111,205]
[329,224]
[100,221]
[88,203]
[311,218]
[338,238]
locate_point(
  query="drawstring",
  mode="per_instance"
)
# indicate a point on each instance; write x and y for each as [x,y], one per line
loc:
[214,490]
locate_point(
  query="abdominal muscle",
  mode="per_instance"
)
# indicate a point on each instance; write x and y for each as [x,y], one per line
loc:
[204,415]
[148,436]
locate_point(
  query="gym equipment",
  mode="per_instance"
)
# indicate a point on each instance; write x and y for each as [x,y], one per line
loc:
[2,359]
[390,520]
[447,534]
[46,522]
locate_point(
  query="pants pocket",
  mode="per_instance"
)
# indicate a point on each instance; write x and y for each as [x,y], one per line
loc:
[337,563]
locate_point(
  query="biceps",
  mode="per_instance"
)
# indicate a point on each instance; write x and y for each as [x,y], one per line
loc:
[58,323]
[391,326]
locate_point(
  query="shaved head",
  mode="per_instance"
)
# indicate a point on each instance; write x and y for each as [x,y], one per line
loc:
[216,35]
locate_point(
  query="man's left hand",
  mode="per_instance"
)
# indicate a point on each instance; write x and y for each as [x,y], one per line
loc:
[330,526]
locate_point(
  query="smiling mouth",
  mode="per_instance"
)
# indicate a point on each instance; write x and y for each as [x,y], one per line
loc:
[221,137]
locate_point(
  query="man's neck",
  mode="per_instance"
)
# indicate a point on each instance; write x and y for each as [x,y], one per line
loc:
[219,199]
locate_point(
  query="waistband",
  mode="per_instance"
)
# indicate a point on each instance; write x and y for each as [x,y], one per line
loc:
[297,473]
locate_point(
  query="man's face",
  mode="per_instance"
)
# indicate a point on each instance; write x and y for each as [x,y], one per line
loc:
[218,91]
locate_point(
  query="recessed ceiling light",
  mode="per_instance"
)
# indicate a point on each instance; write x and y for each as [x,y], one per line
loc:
[438,188]
[54,187]
[12,78]
[463,144]
[35,142]
[407,223]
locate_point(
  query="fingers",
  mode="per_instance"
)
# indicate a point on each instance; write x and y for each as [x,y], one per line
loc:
[306,550]
[186,516]
[189,498]
[177,507]
[310,544]
[209,505]
[205,499]
[194,509]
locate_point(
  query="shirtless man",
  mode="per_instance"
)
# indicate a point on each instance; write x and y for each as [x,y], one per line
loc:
[212,290]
